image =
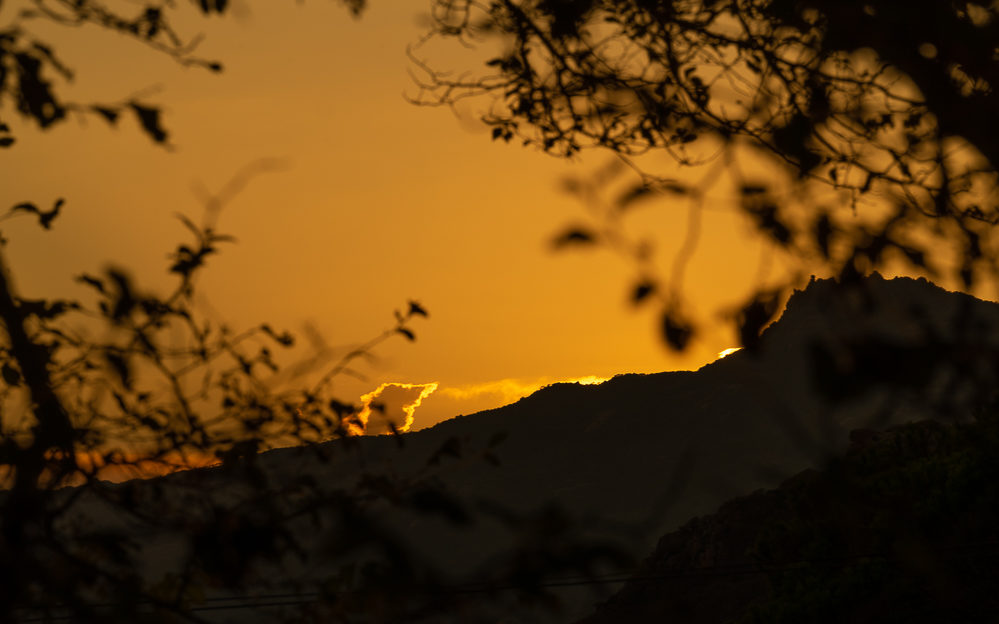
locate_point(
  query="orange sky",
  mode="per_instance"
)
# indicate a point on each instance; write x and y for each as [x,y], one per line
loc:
[380,202]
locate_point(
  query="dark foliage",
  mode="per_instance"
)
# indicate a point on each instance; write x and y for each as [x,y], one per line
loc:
[882,109]
[900,529]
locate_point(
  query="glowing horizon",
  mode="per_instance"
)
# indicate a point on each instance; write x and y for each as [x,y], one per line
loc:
[513,388]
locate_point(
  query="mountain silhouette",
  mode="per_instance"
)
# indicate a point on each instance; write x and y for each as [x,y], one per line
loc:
[901,528]
[620,464]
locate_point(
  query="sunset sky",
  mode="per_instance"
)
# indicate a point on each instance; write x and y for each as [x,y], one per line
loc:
[380,201]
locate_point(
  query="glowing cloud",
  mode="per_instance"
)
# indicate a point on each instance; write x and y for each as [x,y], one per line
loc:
[509,390]
[360,426]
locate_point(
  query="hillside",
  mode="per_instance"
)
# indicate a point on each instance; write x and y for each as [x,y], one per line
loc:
[575,481]
[902,528]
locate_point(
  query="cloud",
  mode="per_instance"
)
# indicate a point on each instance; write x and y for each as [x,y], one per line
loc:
[451,401]
[397,402]
[512,389]
[389,399]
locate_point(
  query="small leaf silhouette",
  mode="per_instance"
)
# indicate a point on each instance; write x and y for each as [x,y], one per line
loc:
[284,339]
[91,281]
[121,368]
[676,331]
[210,6]
[574,236]
[26,207]
[913,255]
[149,118]
[45,218]
[823,233]
[760,310]
[633,194]
[642,291]
[11,375]
[406,332]
[342,409]
[415,309]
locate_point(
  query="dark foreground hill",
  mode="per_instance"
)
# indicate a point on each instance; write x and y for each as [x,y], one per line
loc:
[902,528]
[571,483]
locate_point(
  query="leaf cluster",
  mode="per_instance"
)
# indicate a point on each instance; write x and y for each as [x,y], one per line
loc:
[878,106]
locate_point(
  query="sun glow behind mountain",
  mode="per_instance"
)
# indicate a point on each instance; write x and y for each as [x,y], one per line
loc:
[397,402]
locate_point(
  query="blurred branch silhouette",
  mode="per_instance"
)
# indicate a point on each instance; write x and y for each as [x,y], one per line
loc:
[96,391]
[139,384]
[883,109]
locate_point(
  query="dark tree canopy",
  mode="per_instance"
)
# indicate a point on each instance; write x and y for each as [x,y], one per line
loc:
[888,104]
[133,383]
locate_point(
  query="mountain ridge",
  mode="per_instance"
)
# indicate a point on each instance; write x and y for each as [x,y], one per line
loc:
[631,459]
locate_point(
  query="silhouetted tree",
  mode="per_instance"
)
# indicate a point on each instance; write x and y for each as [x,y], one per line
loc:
[135,383]
[884,103]
[857,137]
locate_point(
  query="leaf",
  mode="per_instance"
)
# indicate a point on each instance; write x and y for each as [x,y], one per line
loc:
[189,224]
[915,256]
[125,301]
[149,118]
[674,187]
[642,291]
[633,194]
[7,141]
[45,309]
[44,218]
[342,409]
[26,207]
[91,281]
[760,310]
[415,309]
[676,331]
[121,368]
[406,332]
[210,6]
[753,189]
[769,222]
[36,99]
[967,275]
[574,236]
[823,233]
[11,375]
[284,339]
[109,114]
